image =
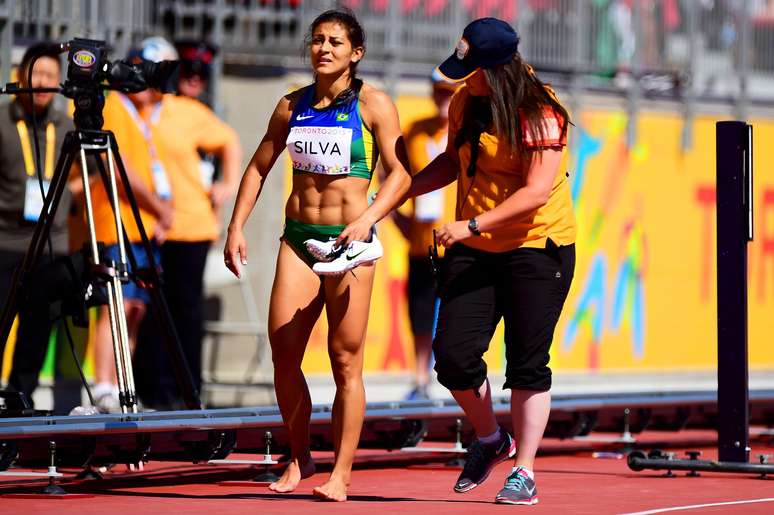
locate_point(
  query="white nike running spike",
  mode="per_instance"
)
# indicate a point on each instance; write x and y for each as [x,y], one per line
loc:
[357,253]
[323,250]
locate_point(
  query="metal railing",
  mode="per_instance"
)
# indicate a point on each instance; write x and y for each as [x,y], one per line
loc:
[684,50]
[707,49]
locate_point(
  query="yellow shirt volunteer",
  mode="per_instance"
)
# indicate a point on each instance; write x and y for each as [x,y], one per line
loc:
[185,126]
[498,175]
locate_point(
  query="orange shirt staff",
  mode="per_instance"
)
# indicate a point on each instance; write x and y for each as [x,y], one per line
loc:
[511,252]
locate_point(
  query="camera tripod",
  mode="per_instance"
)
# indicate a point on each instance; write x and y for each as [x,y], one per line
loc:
[79,144]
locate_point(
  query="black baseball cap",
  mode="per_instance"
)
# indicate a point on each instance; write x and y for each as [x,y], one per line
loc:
[195,57]
[485,43]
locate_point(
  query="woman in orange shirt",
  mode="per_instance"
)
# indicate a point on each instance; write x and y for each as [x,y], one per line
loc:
[511,252]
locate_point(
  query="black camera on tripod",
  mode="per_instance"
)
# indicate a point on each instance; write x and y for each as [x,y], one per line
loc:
[90,73]
[73,285]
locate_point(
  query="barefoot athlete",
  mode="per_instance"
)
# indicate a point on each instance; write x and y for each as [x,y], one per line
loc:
[335,130]
[511,252]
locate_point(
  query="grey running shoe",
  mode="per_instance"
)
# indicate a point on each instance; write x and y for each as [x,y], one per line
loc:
[481,459]
[519,488]
[324,251]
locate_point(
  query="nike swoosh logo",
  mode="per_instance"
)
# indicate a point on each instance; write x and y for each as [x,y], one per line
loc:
[299,117]
[351,257]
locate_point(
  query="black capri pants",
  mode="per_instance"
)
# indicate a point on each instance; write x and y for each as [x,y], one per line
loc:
[526,287]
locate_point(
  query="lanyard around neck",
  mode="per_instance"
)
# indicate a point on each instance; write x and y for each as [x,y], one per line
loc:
[160,178]
[144,127]
[29,162]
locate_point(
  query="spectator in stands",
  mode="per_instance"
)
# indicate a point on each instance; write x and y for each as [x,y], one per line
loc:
[21,200]
[195,70]
[425,139]
[510,253]
[195,67]
[334,129]
[185,127]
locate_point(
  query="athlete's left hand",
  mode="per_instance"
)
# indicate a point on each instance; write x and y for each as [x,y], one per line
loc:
[451,233]
[359,230]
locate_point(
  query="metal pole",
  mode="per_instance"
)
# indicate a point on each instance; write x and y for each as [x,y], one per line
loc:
[734,185]
[393,49]
[689,95]
[745,30]
[6,41]
[126,35]
[638,461]
[576,88]
[521,26]
[39,18]
[94,19]
[458,24]
[633,105]
[217,62]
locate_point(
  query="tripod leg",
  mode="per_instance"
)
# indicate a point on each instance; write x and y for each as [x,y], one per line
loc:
[124,356]
[179,364]
[121,352]
[40,235]
[113,285]
[114,309]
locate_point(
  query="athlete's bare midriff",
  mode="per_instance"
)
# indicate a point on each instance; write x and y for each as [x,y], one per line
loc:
[327,200]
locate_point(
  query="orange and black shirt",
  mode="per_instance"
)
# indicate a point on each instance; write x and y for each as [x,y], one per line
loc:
[499,174]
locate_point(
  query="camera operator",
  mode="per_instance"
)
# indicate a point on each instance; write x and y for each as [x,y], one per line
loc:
[133,118]
[187,128]
[21,201]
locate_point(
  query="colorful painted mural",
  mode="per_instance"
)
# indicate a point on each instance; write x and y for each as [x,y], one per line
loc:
[643,295]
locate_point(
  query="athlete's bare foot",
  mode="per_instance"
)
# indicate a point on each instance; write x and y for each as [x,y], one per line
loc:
[333,490]
[294,473]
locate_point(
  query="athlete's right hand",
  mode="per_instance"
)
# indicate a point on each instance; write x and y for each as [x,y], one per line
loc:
[235,251]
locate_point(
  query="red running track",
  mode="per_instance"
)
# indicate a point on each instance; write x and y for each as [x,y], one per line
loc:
[569,479]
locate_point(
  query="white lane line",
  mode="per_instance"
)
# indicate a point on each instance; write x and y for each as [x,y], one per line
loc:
[694,506]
